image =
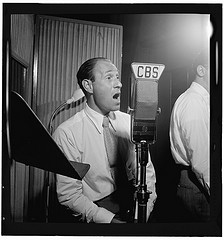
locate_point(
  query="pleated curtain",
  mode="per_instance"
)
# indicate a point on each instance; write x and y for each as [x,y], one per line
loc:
[62,47]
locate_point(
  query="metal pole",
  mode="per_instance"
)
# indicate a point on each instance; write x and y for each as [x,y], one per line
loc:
[142,193]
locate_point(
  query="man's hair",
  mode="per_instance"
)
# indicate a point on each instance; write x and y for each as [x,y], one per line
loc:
[86,70]
[201,59]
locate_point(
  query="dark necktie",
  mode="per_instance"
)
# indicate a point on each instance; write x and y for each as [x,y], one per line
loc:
[110,142]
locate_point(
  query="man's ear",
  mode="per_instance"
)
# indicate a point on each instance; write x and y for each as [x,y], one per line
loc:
[200,70]
[87,85]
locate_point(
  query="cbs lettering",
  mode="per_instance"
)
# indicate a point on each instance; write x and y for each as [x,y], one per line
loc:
[147,72]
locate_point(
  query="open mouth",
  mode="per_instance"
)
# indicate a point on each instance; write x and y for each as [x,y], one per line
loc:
[116,96]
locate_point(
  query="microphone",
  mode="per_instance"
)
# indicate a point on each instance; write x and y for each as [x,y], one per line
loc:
[77,95]
[143,110]
[144,101]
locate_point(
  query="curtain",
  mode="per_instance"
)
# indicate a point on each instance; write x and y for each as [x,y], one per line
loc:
[63,46]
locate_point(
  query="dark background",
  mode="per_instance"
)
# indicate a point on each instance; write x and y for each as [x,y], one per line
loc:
[152,34]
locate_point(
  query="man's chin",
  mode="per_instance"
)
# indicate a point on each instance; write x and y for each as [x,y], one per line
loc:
[116,108]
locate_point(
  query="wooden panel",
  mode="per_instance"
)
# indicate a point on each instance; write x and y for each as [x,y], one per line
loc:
[22,35]
[18,171]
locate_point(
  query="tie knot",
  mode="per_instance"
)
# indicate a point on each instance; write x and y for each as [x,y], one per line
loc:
[105,122]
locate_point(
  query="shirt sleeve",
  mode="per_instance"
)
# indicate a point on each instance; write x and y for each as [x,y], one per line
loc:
[195,132]
[70,191]
[151,185]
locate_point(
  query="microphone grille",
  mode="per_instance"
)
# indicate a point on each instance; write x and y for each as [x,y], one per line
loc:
[146,99]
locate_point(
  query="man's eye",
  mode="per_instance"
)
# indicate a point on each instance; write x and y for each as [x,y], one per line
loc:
[110,77]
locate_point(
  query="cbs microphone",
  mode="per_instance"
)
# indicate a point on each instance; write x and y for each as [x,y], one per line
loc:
[143,109]
[144,101]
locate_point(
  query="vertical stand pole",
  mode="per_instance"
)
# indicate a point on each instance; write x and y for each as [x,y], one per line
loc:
[142,193]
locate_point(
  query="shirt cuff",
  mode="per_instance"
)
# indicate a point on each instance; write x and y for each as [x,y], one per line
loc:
[103,216]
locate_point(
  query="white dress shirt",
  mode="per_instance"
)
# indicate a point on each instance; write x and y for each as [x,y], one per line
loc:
[81,139]
[189,131]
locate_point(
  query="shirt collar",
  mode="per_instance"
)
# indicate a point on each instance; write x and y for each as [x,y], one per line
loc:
[201,90]
[97,118]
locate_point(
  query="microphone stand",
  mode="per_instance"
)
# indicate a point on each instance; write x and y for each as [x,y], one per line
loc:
[50,128]
[47,173]
[77,95]
[142,192]
[143,105]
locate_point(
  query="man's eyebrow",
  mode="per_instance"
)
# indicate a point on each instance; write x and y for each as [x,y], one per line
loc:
[109,71]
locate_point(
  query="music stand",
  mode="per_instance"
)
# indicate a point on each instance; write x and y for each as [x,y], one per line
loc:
[31,144]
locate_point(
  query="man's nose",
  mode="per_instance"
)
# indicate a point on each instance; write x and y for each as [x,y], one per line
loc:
[118,84]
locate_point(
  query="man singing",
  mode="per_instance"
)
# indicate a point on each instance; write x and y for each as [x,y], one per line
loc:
[99,135]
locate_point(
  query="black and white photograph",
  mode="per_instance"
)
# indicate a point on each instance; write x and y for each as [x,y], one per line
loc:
[112,119]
